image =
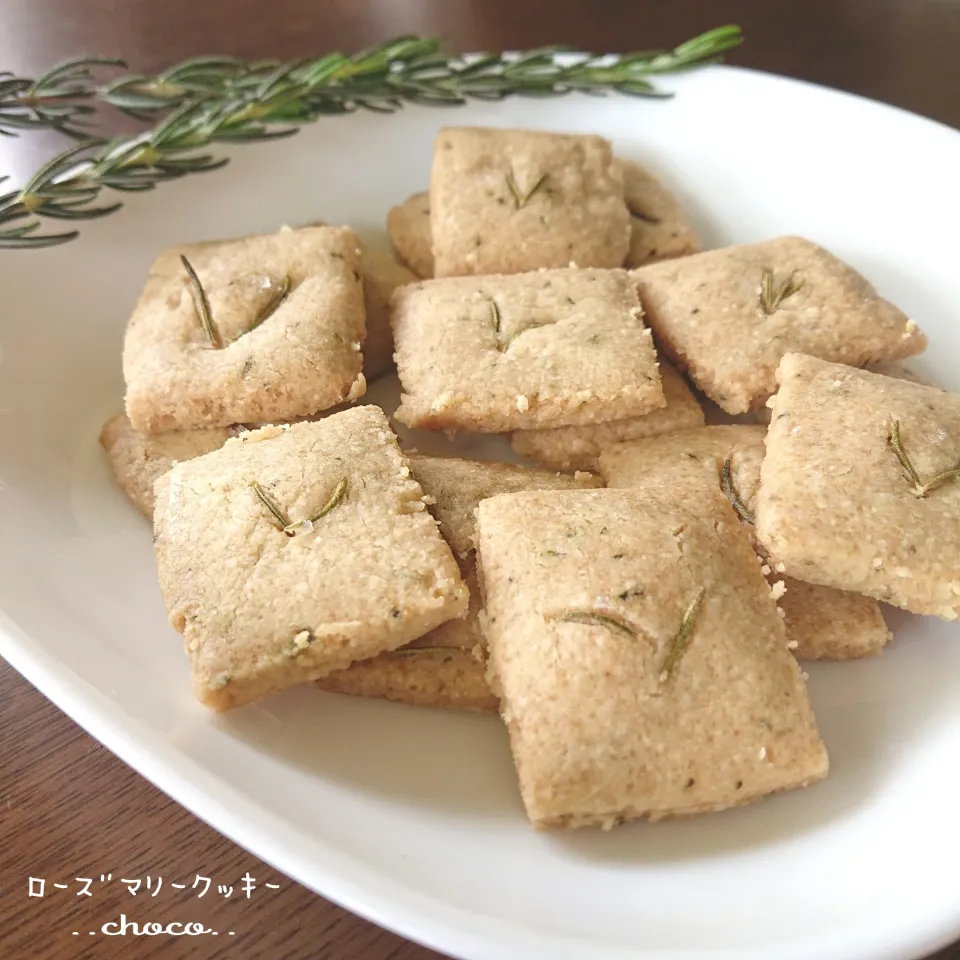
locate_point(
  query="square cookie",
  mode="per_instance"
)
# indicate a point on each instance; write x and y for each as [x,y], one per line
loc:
[381,276]
[408,227]
[510,201]
[849,495]
[639,658]
[138,459]
[658,228]
[822,623]
[254,330]
[728,316]
[291,552]
[445,668]
[544,349]
[577,448]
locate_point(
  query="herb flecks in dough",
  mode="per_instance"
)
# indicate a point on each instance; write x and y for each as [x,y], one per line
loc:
[920,489]
[682,640]
[201,304]
[731,493]
[772,295]
[282,518]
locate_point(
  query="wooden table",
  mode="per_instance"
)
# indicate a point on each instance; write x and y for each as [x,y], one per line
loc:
[70,809]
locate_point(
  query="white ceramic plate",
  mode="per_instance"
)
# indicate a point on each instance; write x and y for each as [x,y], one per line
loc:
[411,817]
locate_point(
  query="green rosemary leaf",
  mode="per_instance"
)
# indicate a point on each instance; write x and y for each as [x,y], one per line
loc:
[274,508]
[771,295]
[414,651]
[920,489]
[591,618]
[201,304]
[682,640]
[335,498]
[730,491]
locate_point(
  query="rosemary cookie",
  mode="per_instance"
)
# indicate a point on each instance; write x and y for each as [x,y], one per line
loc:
[445,668]
[138,459]
[408,227]
[577,448]
[291,552]
[658,228]
[821,623]
[381,276]
[639,659]
[510,201]
[860,487]
[544,349]
[728,316]
[254,330]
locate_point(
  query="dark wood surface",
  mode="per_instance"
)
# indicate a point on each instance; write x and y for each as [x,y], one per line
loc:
[70,809]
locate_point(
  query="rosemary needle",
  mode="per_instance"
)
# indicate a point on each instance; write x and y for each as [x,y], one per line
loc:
[284,523]
[730,491]
[520,198]
[411,651]
[201,304]
[920,489]
[682,640]
[592,619]
[772,296]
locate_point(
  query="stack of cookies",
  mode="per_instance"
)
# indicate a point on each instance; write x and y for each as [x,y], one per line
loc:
[635,608]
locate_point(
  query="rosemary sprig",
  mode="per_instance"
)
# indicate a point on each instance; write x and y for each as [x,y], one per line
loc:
[920,489]
[771,295]
[282,518]
[591,618]
[520,198]
[217,99]
[732,494]
[202,305]
[682,640]
[57,100]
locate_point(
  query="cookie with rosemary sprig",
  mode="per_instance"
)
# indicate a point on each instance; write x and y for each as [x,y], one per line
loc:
[138,460]
[510,201]
[578,448]
[639,658]
[445,668]
[728,316]
[292,552]
[860,486]
[822,623]
[255,330]
[544,349]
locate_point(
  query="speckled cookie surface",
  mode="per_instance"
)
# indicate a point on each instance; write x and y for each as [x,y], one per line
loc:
[836,506]
[578,448]
[612,718]
[544,349]
[288,325]
[510,201]
[408,227]
[728,316]
[381,276]
[261,608]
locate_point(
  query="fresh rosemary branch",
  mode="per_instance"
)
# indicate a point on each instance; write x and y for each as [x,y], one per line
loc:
[218,99]
[920,489]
